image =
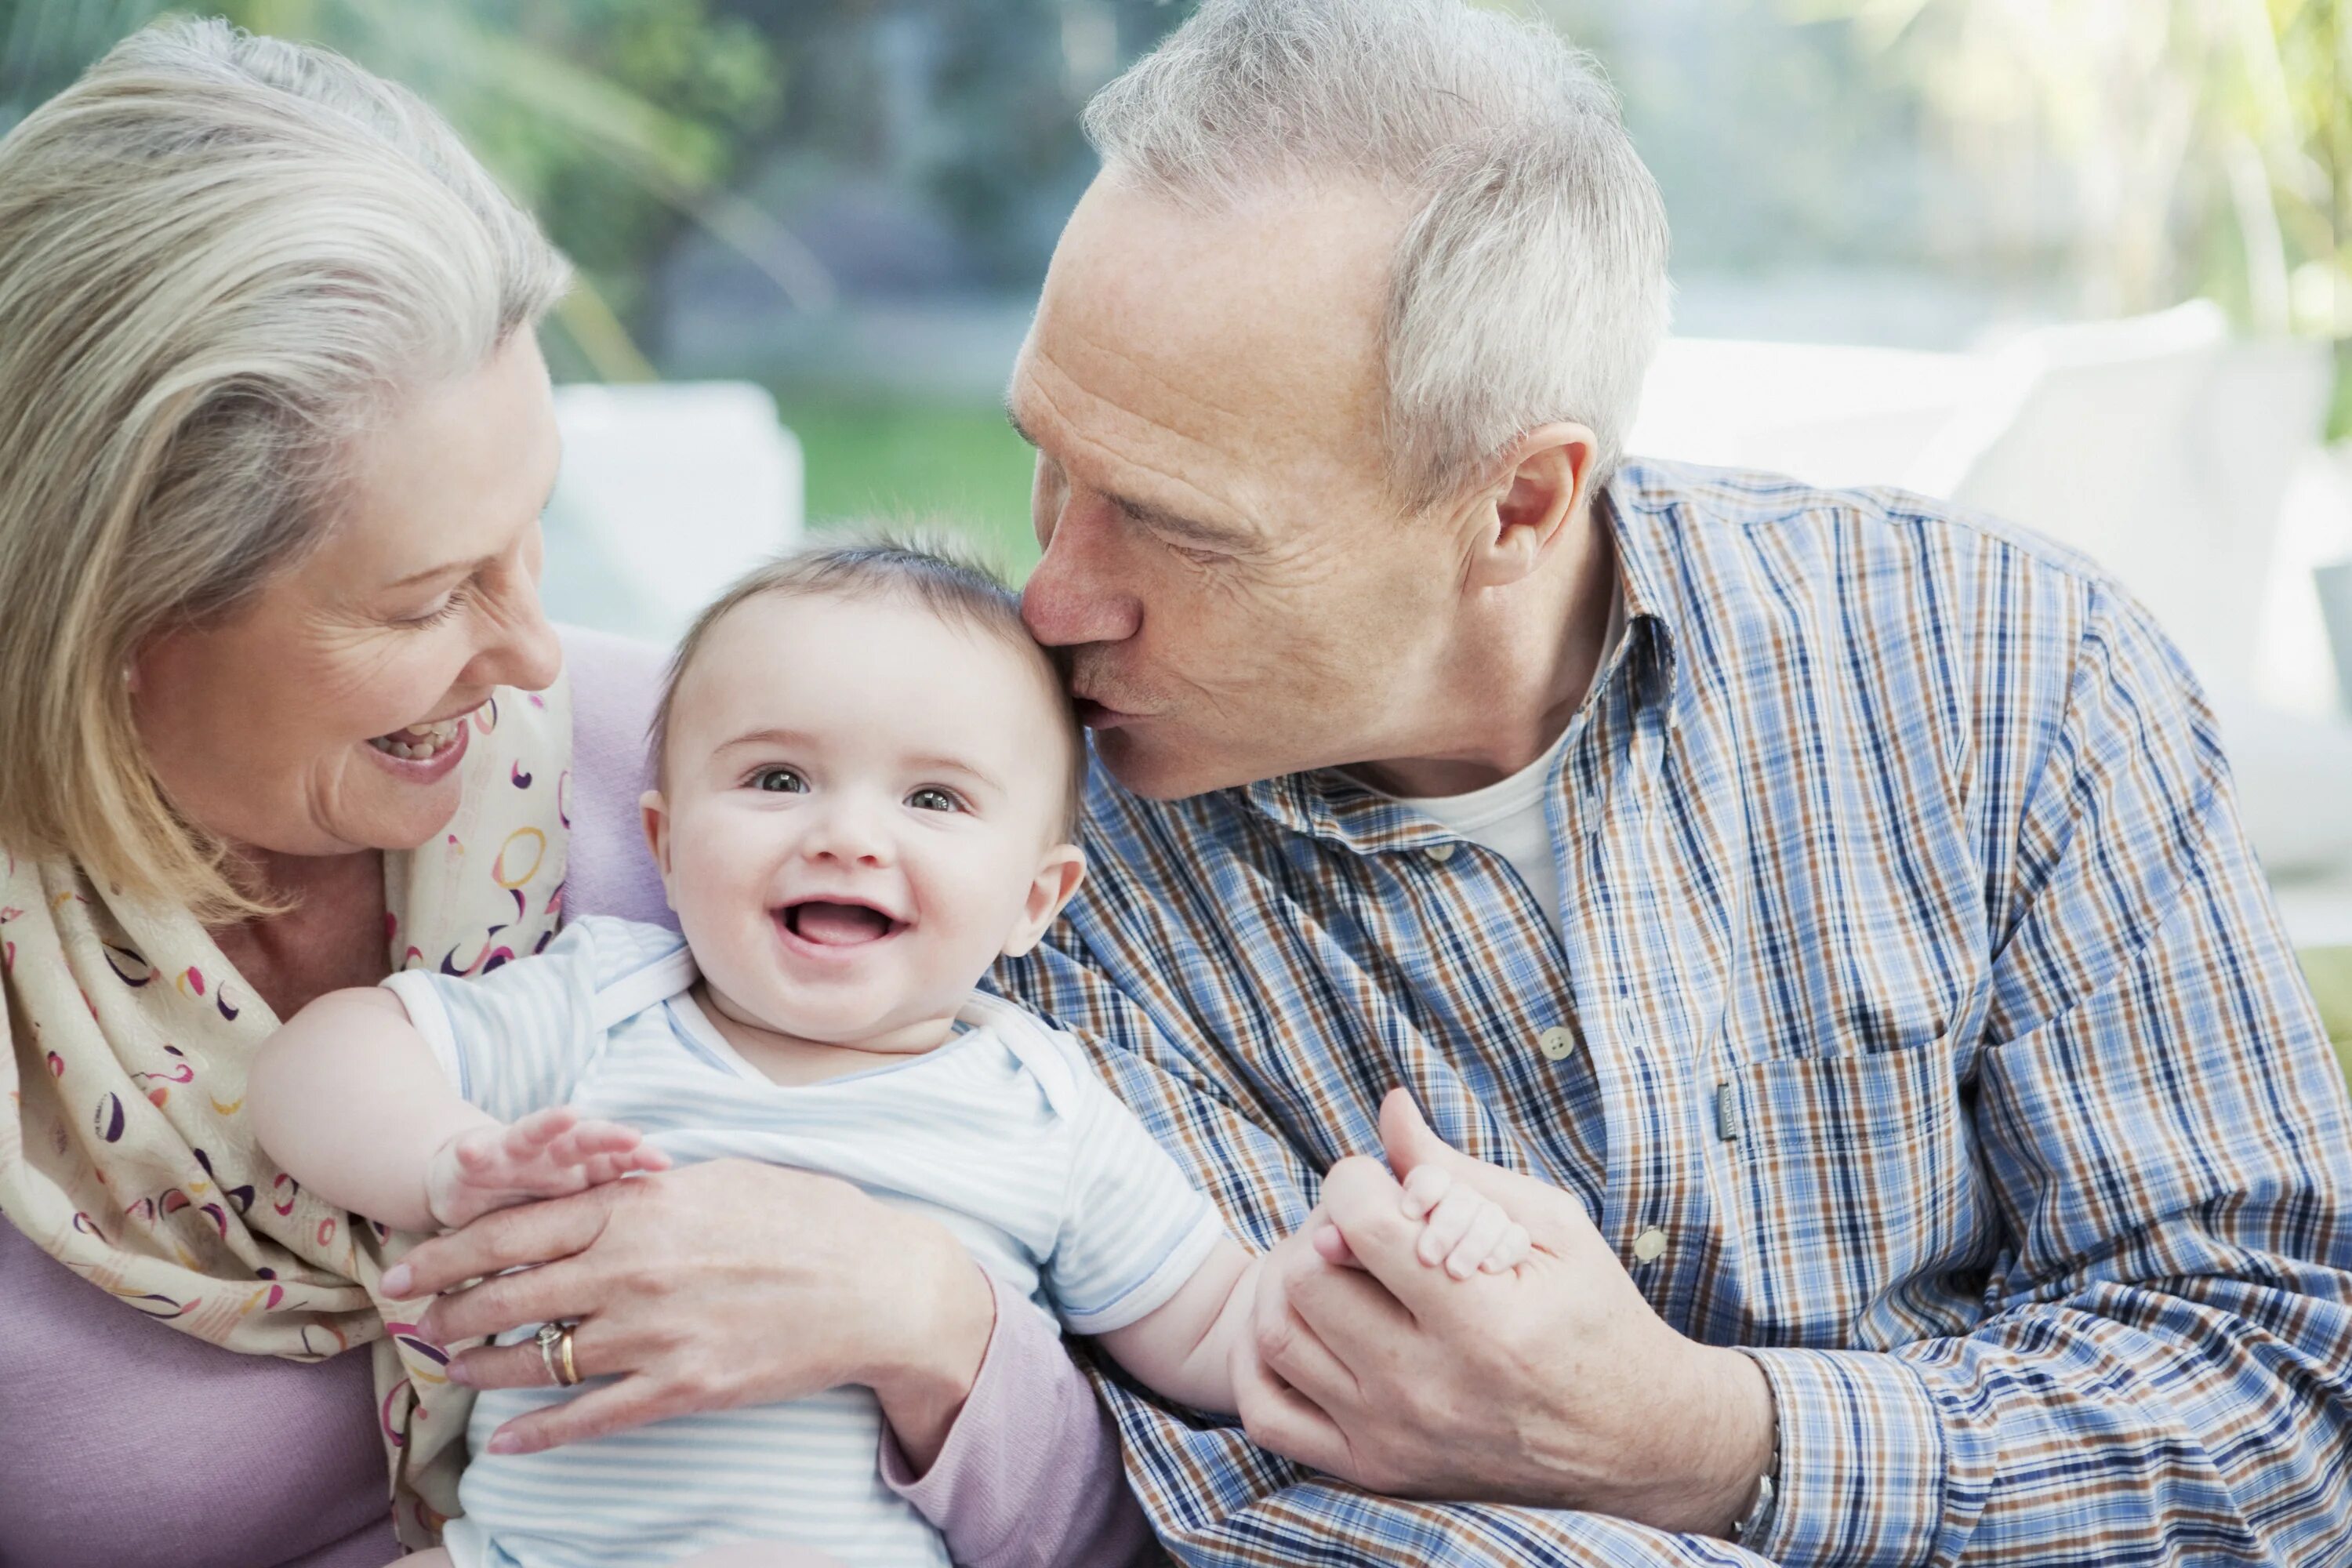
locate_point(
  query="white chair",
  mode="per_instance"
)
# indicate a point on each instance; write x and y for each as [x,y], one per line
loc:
[668,492]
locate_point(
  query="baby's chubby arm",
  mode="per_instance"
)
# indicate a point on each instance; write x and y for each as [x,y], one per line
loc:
[1185,1349]
[348,1098]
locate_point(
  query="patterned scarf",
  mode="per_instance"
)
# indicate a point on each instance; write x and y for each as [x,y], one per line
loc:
[125,1154]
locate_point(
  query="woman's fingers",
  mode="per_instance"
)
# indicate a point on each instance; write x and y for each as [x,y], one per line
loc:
[628,1402]
[510,1239]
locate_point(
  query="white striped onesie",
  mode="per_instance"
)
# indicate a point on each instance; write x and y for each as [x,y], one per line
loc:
[1004,1134]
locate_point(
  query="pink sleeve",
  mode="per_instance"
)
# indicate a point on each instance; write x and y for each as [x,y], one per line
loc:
[1031,1470]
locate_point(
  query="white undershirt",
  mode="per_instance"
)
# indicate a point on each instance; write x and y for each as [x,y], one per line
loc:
[1508,817]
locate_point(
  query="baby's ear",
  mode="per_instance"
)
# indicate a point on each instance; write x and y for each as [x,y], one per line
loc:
[655,812]
[1059,873]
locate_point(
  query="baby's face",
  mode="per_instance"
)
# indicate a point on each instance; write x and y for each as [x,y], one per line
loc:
[862,810]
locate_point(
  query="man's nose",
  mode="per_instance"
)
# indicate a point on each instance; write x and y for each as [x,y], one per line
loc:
[1074,595]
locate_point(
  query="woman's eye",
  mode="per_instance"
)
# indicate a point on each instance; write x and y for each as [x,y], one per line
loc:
[778,781]
[439,613]
[933,799]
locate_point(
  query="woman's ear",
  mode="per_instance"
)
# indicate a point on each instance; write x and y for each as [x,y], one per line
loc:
[655,812]
[1058,875]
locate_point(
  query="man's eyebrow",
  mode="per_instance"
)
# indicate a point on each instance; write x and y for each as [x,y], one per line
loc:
[1015,420]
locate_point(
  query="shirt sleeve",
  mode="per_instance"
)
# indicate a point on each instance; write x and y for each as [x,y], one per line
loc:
[516,1039]
[2166,1374]
[1133,1229]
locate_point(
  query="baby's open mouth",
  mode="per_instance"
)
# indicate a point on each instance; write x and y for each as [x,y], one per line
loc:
[830,923]
[419,743]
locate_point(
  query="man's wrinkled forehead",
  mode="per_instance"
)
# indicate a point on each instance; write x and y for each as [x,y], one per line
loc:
[1176,334]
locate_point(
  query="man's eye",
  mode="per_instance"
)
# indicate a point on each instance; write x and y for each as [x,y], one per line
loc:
[934,799]
[780,780]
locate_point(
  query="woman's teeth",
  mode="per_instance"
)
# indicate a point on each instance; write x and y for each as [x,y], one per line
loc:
[418,742]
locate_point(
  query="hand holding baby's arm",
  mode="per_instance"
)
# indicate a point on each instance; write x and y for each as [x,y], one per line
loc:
[550,1153]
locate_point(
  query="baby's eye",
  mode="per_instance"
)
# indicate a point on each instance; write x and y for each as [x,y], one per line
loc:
[932,799]
[780,780]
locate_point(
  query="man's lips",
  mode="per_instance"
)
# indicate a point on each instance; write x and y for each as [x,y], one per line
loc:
[1096,715]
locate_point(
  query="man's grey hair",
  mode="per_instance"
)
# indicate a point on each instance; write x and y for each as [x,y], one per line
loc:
[1530,282]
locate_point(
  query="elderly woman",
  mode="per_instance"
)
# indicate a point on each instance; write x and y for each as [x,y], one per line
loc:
[279,714]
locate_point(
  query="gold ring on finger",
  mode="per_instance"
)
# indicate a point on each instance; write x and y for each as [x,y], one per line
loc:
[554,1342]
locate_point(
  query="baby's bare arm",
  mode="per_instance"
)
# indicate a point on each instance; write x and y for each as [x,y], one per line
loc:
[348,1098]
[1183,1349]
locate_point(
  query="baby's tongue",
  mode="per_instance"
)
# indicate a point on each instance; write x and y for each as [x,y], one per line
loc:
[838,925]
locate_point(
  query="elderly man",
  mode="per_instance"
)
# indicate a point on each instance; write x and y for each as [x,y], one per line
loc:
[1829,913]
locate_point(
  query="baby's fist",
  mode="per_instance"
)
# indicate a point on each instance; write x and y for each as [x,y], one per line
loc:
[1468,1233]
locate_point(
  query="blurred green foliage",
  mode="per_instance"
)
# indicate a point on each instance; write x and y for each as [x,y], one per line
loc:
[2184,147]
[618,122]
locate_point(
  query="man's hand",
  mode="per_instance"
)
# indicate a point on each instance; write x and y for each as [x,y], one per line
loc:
[722,1284]
[548,1154]
[1553,1384]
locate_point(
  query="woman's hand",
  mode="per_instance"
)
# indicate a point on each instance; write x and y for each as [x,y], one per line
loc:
[722,1284]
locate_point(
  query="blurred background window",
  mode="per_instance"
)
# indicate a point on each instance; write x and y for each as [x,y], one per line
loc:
[2087,263]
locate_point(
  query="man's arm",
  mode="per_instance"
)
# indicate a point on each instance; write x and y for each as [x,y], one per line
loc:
[2168,1372]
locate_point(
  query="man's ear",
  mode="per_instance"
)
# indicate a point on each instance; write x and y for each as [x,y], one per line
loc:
[1059,873]
[654,812]
[1542,493]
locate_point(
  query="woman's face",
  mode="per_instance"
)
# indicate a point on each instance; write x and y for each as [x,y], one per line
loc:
[282,730]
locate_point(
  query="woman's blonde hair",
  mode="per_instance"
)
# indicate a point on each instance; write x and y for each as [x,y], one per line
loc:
[222,257]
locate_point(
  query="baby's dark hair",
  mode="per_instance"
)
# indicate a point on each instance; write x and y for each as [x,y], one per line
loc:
[933,570]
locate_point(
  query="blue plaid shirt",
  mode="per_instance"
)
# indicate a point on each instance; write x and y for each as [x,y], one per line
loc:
[1912,980]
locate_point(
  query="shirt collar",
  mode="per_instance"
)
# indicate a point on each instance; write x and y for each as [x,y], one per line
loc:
[1636,506]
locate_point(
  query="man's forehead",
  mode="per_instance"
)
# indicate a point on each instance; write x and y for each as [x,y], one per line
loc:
[1237,325]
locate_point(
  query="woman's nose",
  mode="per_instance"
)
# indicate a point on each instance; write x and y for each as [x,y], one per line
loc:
[524,651]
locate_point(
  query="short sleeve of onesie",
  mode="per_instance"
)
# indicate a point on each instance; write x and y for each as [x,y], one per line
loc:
[517,1039]
[1133,1228]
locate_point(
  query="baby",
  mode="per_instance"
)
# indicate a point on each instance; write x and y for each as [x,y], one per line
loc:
[869,780]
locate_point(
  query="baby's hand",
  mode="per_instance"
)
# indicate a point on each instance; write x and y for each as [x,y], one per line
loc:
[545,1155]
[1460,1228]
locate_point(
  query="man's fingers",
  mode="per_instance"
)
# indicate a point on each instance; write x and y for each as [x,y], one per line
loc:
[1283,1421]
[510,1239]
[1288,1345]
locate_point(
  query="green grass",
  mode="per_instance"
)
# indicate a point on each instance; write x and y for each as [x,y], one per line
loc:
[959,467]
[2329,970]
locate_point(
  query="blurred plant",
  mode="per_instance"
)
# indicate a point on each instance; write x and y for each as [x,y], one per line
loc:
[2162,148]
[616,120]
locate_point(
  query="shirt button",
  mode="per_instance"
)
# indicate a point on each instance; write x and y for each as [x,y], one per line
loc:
[1649,1245]
[1441,853]
[1558,1044]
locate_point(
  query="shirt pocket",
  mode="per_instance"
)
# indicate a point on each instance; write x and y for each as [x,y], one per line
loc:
[1862,1212]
